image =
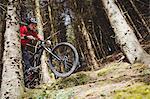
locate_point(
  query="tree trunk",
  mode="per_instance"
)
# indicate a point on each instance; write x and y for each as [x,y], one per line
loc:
[12,83]
[52,21]
[44,72]
[92,58]
[124,34]
[2,30]
[51,18]
[1,48]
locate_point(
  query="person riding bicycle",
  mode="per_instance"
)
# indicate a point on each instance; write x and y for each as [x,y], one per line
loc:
[28,33]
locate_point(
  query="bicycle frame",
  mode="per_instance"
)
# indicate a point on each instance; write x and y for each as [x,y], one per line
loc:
[59,63]
[50,51]
[39,51]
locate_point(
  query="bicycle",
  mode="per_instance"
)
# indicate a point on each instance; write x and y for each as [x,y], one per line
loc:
[62,59]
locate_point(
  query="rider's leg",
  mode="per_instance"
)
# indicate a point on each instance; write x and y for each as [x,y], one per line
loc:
[26,57]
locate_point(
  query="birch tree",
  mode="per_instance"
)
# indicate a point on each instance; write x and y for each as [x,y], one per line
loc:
[12,83]
[124,34]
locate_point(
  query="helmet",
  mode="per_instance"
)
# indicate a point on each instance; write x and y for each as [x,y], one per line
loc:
[32,20]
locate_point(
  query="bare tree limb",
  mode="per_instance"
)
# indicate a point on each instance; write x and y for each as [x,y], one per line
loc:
[140,1]
[3,5]
[3,8]
[143,21]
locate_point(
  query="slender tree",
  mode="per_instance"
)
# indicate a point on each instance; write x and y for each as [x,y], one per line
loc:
[44,72]
[12,83]
[91,58]
[52,10]
[86,44]
[124,34]
[51,17]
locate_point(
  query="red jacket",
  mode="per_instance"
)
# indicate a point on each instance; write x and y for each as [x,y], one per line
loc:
[25,32]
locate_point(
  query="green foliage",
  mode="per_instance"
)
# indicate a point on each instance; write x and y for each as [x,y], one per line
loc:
[71,81]
[135,92]
[63,94]
[40,97]
[70,34]
[35,94]
[146,71]
[107,70]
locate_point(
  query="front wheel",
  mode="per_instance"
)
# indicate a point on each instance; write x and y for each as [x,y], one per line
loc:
[66,61]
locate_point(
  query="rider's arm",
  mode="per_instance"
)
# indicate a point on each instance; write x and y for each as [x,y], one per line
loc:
[38,37]
[23,31]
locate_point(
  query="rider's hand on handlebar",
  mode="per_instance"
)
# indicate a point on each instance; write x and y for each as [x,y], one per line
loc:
[31,37]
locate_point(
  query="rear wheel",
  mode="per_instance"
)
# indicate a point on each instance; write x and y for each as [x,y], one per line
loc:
[67,60]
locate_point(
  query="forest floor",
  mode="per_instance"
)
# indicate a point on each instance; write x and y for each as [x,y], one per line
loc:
[115,80]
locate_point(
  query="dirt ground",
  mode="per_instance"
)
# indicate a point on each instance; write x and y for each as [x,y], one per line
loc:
[114,81]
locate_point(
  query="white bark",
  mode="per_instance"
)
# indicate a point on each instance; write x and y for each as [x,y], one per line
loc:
[44,72]
[124,34]
[12,83]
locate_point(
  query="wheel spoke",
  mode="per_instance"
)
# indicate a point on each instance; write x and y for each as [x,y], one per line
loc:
[69,57]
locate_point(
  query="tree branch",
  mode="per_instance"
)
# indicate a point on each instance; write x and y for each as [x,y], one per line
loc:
[3,8]
[3,5]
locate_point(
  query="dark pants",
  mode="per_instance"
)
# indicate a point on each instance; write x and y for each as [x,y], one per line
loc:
[26,57]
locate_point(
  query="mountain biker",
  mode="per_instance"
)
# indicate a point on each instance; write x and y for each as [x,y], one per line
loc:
[28,33]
